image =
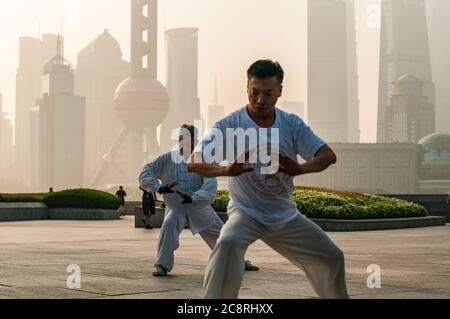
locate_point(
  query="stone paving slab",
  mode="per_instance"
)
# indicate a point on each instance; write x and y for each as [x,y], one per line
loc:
[116,262]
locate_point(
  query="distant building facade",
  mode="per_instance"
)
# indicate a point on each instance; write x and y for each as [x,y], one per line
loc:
[100,69]
[327,69]
[33,54]
[182,83]
[216,111]
[58,129]
[373,168]
[391,168]
[410,115]
[404,51]
[353,128]
[6,142]
[141,103]
[438,13]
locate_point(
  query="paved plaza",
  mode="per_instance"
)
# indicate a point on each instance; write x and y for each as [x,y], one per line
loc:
[116,262]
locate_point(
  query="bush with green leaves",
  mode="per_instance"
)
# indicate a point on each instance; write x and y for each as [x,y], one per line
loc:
[220,204]
[21,198]
[329,204]
[82,198]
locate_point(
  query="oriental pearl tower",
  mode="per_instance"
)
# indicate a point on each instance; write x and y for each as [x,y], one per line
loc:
[141,101]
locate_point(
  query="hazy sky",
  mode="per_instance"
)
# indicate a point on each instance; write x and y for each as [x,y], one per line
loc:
[233,34]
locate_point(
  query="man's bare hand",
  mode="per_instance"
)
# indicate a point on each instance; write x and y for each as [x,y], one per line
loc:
[289,166]
[237,169]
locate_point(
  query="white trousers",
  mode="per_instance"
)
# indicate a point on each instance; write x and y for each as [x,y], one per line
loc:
[301,241]
[169,239]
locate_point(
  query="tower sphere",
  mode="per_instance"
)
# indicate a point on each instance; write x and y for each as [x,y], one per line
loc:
[141,102]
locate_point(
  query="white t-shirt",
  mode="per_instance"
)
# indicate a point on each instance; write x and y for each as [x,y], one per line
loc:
[266,198]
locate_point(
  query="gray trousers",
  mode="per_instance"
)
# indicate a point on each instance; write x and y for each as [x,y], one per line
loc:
[301,241]
[169,239]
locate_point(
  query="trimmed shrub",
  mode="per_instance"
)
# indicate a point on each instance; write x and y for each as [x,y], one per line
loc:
[21,198]
[82,198]
[330,204]
[220,204]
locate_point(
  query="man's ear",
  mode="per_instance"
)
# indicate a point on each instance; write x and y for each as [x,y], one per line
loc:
[281,90]
[248,87]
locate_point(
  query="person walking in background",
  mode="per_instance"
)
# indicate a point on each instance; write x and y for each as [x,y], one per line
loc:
[121,194]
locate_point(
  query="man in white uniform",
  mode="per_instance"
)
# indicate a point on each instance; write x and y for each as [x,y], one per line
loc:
[189,203]
[260,205]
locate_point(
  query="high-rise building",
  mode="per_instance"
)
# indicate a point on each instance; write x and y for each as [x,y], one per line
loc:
[58,127]
[216,111]
[410,115]
[438,13]
[404,51]
[6,140]
[33,54]
[100,69]
[182,83]
[141,104]
[327,69]
[353,128]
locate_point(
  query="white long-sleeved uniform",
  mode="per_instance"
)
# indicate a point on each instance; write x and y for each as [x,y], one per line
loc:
[202,218]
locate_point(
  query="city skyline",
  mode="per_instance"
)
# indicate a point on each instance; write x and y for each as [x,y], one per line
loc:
[367,21]
[156,92]
[212,41]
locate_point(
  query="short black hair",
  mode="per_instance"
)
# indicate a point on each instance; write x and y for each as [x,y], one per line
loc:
[192,130]
[262,69]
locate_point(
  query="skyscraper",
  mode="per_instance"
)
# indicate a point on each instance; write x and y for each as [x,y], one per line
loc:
[141,103]
[409,115]
[100,69]
[404,51]
[58,124]
[438,13]
[33,54]
[6,140]
[216,111]
[353,128]
[327,69]
[182,83]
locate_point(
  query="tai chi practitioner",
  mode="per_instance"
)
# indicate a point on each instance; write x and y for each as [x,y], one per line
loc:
[188,198]
[260,205]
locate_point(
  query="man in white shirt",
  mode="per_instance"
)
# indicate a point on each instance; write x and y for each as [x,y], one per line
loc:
[260,205]
[188,198]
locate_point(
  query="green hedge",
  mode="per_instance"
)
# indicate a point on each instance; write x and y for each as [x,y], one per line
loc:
[22,198]
[330,204]
[75,198]
[220,204]
[82,198]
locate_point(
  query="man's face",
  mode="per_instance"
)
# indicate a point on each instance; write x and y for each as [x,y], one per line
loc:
[263,94]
